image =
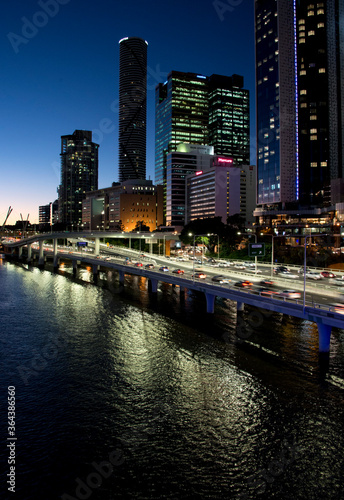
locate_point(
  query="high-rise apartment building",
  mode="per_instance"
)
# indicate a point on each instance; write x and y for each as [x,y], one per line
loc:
[299,90]
[79,174]
[197,109]
[132,108]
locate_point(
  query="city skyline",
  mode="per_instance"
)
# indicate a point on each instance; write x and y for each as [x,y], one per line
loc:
[61,73]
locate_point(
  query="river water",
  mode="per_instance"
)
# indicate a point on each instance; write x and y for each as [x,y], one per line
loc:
[143,396]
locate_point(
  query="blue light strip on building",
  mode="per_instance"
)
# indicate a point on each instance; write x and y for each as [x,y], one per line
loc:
[296,105]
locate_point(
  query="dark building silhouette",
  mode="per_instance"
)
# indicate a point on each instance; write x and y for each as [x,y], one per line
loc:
[299,88]
[132,108]
[79,174]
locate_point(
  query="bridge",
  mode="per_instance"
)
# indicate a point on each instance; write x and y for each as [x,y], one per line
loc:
[323,315]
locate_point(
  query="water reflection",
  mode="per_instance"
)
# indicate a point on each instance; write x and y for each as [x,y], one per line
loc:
[196,411]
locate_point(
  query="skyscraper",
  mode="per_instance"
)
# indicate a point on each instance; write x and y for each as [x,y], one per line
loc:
[299,68]
[132,108]
[197,109]
[79,174]
[229,117]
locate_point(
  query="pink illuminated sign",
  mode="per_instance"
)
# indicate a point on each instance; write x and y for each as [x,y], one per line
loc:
[200,172]
[225,160]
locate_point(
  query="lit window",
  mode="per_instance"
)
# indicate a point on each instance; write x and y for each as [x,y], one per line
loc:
[303,72]
[314,164]
[303,92]
[320,25]
[322,70]
[310,33]
[320,11]
[314,137]
[302,40]
[313,117]
[310,13]
[313,130]
[323,164]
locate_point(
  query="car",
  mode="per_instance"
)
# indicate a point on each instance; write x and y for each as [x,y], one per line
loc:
[281,269]
[163,268]
[265,292]
[267,283]
[301,270]
[338,307]
[239,266]
[244,284]
[178,271]
[250,264]
[138,264]
[220,279]
[290,294]
[199,276]
[327,274]
[313,275]
[253,270]
[149,266]
[288,275]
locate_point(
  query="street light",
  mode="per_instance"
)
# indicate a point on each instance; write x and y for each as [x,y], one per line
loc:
[193,261]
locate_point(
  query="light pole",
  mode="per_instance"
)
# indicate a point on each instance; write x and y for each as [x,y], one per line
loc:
[193,260]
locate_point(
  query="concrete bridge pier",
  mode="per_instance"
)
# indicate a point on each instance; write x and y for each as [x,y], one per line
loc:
[95,270]
[324,337]
[210,298]
[41,254]
[121,278]
[75,266]
[154,285]
[20,253]
[96,246]
[29,252]
[240,306]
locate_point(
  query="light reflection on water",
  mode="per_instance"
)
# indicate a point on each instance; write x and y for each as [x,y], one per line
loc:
[195,413]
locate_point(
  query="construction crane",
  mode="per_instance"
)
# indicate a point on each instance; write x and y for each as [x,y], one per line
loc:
[7,216]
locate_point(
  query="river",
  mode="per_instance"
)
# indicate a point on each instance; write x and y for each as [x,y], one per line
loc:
[143,396]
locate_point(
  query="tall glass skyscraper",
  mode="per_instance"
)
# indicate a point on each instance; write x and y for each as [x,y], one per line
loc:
[79,174]
[299,89]
[132,108]
[197,109]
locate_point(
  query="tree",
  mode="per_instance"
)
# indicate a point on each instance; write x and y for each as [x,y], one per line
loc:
[211,226]
[141,226]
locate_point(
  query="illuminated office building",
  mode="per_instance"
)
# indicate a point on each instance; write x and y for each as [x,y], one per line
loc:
[197,109]
[79,174]
[132,108]
[299,94]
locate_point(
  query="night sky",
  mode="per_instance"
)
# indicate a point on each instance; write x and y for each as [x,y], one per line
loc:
[60,73]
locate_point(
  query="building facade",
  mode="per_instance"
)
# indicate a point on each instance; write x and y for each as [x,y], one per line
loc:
[124,206]
[197,109]
[221,190]
[132,108]
[188,159]
[79,174]
[299,94]
[229,117]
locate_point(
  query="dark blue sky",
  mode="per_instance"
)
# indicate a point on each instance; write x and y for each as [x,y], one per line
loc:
[60,73]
